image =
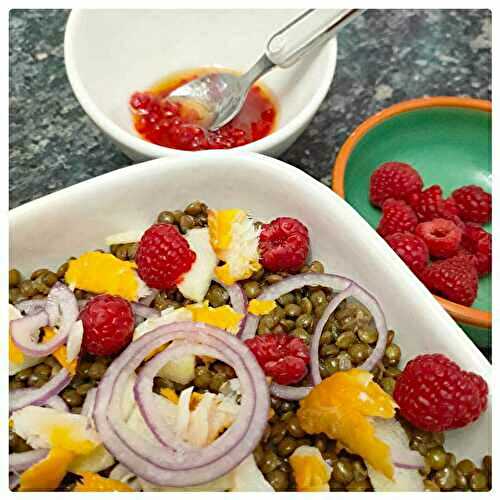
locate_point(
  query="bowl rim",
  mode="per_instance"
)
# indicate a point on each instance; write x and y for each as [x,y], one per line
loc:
[467,315]
[151,150]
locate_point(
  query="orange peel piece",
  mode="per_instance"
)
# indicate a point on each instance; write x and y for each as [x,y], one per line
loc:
[60,353]
[341,407]
[94,482]
[15,354]
[47,474]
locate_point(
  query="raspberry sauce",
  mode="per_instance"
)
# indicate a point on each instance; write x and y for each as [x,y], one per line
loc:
[166,123]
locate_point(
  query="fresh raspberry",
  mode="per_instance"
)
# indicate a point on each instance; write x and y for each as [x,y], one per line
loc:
[474,204]
[454,279]
[397,217]
[429,204]
[435,395]
[478,243]
[108,325]
[283,245]
[281,356]
[441,236]
[163,256]
[393,180]
[411,249]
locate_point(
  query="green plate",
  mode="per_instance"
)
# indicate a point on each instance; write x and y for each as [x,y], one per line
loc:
[449,146]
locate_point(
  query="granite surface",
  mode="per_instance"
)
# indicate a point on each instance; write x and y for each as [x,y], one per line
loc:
[384,57]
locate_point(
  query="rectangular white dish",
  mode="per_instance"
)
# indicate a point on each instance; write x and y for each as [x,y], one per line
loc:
[45,232]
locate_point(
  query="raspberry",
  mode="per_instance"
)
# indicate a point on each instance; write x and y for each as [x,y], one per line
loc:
[397,217]
[163,256]
[441,236]
[108,325]
[281,356]
[435,395]
[393,180]
[429,204]
[454,279]
[474,204]
[283,245]
[411,249]
[478,243]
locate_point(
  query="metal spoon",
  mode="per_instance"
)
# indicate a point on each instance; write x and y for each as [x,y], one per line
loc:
[220,96]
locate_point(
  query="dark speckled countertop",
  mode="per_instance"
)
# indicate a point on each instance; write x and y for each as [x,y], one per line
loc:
[384,57]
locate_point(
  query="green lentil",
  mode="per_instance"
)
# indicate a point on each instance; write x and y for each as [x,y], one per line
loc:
[166,217]
[252,289]
[345,339]
[445,478]
[278,479]
[478,481]
[14,278]
[342,471]
[217,296]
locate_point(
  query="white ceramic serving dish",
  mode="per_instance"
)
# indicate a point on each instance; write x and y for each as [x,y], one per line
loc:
[45,232]
[109,54]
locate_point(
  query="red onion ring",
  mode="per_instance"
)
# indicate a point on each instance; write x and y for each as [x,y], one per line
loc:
[314,349]
[144,311]
[19,462]
[159,463]
[31,306]
[239,302]
[57,403]
[14,480]
[121,473]
[74,342]
[145,400]
[61,306]
[289,392]
[336,283]
[148,299]
[19,398]
[88,404]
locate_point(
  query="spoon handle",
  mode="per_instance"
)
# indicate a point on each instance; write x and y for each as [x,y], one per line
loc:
[311,29]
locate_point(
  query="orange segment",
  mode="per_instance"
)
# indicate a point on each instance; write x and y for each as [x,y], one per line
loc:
[260,307]
[220,227]
[224,317]
[16,356]
[60,353]
[47,474]
[170,394]
[103,273]
[310,471]
[340,406]
[94,482]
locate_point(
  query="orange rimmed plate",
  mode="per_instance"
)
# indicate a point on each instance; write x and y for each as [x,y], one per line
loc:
[448,140]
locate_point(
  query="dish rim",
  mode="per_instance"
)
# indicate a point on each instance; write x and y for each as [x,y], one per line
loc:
[150,150]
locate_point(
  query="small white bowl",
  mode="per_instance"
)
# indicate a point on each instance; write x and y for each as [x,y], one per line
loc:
[45,232]
[109,54]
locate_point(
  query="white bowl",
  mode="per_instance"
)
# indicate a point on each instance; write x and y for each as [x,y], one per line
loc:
[109,54]
[45,232]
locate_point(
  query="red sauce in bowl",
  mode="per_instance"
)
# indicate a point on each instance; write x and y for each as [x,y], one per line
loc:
[166,123]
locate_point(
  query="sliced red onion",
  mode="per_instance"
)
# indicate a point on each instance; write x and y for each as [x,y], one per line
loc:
[315,340]
[289,392]
[14,480]
[144,311]
[19,398]
[25,333]
[62,308]
[121,473]
[88,404]
[19,462]
[57,403]
[159,463]
[371,303]
[336,283]
[362,296]
[238,301]
[411,466]
[31,306]
[148,299]
[74,342]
